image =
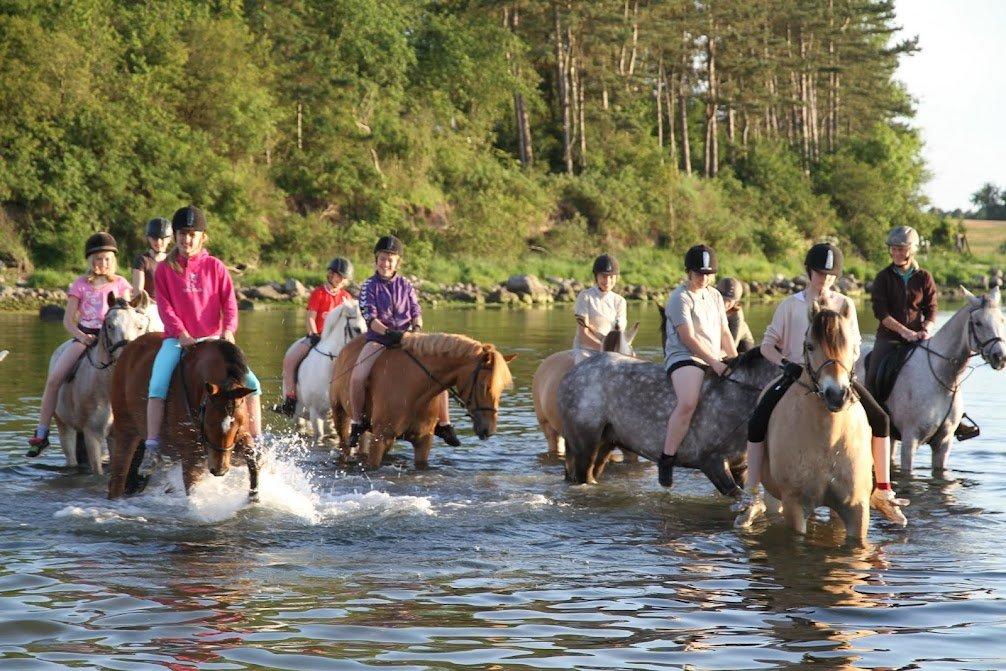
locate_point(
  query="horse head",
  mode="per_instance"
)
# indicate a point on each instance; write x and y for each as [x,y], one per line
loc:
[986,329]
[222,421]
[828,355]
[481,394]
[620,341]
[125,321]
[343,323]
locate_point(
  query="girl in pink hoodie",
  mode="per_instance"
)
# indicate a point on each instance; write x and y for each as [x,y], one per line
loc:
[195,299]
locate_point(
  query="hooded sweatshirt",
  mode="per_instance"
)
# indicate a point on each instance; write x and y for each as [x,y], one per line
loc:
[200,301]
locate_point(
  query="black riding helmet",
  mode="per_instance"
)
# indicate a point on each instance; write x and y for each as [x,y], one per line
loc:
[606,263]
[826,258]
[390,244]
[342,266]
[158,228]
[188,218]
[100,242]
[701,259]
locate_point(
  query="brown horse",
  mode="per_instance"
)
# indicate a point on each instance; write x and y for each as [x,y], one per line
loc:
[818,443]
[203,420]
[404,384]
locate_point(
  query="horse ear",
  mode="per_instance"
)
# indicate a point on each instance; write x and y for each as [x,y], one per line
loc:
[846,310]
[970,296]
[630,335]
[815,307]
[110,298]
[212,389]
[141,300]
[509,357]
[995,296]
[238,392]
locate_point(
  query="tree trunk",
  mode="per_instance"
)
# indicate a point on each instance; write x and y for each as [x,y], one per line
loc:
[300,126]
[511,20]
[686,155]
[711,148]
[669,102]
[581,107]
[563,85]
[660,106]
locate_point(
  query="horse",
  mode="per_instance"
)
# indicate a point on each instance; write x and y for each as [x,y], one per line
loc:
[545,384]
[404,384]
[314,375]
[924,403]
[611,401]
[83,415]
[817,450]
[204,422]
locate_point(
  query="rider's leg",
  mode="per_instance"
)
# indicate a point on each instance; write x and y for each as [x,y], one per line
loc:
[160,379]
[687,383]
[65,363]
[883,497]
[253,402]
[750,505]
[444,429]
[881,349]
[358,388]
[290,363]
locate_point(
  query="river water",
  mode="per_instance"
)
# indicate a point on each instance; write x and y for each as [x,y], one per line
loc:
[488,560]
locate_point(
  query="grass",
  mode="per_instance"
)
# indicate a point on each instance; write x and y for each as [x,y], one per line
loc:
[986,238]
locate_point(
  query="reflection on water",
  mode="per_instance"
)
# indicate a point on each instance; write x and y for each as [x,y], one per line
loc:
[488,560]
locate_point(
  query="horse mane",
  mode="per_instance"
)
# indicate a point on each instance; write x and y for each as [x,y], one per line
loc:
[612,340]
[234,361]
[456,345]
[827,330]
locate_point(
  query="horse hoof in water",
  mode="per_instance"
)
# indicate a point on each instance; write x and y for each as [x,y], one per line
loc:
[253,497]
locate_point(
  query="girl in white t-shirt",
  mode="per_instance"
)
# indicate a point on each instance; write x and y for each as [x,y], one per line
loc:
[86,305]
[598,309]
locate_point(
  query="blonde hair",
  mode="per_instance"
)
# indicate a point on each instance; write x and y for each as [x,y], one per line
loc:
[172,258]
[92,276]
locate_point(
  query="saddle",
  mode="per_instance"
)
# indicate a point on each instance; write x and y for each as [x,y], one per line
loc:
[888,370]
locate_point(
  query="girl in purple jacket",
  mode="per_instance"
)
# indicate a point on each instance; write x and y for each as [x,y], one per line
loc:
[390,307]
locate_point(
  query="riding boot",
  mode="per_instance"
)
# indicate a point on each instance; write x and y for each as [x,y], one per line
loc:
[37,443]
[356,430]
[446,433]
[665,469]
[287,407]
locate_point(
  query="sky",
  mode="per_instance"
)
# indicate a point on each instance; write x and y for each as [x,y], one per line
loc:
[959,81]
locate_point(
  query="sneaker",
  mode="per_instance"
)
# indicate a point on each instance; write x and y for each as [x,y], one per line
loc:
[287,408]
[665,469]
[151,458]
[355,432]
[36,444]
[889,505]
[749,507]
[446,433]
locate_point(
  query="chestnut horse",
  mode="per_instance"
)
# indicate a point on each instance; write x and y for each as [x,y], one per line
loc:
[818,444]
[203,420]
[404,384]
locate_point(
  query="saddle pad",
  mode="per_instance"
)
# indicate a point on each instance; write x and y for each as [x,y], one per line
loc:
[887,372]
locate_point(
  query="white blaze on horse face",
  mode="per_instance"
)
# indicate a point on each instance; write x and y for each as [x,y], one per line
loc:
[227,423]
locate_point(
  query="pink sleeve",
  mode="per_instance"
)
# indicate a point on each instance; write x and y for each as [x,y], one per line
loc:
[173,326]
[77,288]
[228,301]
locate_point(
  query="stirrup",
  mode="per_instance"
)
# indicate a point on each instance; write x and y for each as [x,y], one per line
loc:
[966,429]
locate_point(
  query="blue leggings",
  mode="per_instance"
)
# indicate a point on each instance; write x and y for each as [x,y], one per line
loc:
[164,365]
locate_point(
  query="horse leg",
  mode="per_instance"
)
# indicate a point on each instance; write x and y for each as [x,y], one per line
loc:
[908,445]
[68,441]
[341,421]
[717,469]
[377,446]
[91,444]
[122,464]
[552,438]
[578,459]
[941,454]
[421,446]
[856,519]
[600,459]
[252,460]
[191,471]
[629,457]
[317,422]
[796,517]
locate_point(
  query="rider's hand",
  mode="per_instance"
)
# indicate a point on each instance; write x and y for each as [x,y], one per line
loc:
[719,368]
[791,369]
[228,336]
[87,338]
[394,337]
[924,334]
[186,340]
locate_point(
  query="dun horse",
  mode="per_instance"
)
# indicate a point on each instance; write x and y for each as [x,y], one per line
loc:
[925,402]
[545,384]
[403,386]
[204,420]
[817,450]
[83,415]
[314,377]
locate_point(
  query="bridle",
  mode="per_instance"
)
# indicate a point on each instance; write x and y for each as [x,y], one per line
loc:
[106,339]
[958,362]
[466,402]
[198,418]
[815,373]
[348,331]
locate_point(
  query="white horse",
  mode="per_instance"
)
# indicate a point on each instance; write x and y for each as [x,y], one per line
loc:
[925,404]
[314,376]
[83,412]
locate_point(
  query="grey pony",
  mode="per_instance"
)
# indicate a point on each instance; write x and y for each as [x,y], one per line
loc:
[612,401]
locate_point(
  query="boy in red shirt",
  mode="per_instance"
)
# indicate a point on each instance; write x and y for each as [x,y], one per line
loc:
[323,300]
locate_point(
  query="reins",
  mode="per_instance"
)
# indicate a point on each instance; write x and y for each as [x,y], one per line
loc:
[199,421]
[466,403]
[347,330]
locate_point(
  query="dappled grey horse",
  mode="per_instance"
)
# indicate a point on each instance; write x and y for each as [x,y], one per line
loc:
[613,401]
[925,402]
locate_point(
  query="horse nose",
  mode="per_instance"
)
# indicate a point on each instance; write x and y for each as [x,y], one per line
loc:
[219,471]
[834,397]
[483,433]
